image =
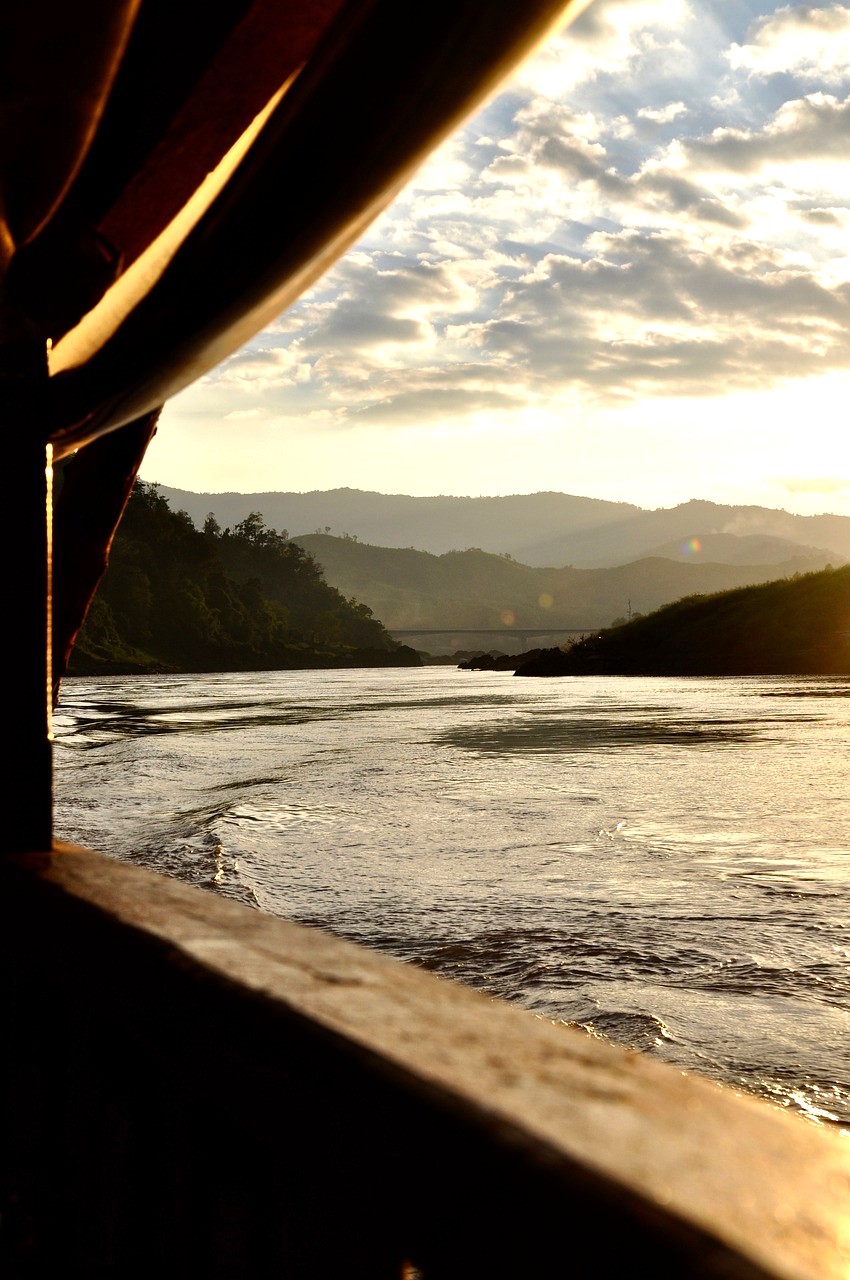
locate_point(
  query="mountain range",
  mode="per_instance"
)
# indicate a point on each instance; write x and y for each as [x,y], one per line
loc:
[539,529]
[469,590]
[527,561]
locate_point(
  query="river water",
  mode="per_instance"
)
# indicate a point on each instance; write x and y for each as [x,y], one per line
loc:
[663,861]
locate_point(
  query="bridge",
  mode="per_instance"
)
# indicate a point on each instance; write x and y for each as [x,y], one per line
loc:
[522,633]
[452,639]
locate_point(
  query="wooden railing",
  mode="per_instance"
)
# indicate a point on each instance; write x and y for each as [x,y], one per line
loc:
[194,1089]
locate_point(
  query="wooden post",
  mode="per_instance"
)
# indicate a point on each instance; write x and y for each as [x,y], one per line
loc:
[27,821]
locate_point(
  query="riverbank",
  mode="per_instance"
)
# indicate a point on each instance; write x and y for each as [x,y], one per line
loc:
[86,663]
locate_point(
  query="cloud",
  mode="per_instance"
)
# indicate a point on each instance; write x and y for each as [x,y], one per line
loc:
[579,261]
[662,115]
[653,312]
[657,188]
[825,217]
[445,403]
[388,301]
[814,484]
[812,129]
[356,326]
[648,213]
[607,41]
[243,415]
[553,138]
[256,368]
[802,40]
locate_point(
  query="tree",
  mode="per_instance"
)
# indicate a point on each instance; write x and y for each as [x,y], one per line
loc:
[174,598]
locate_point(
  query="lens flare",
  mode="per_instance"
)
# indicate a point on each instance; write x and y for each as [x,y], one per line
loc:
[691,547]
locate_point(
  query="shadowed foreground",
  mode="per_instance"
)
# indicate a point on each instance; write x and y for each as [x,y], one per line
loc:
[385,1118]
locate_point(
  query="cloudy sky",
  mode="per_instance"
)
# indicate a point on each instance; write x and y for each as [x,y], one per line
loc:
[628,277]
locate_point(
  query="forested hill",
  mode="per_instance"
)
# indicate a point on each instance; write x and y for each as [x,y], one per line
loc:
[793,627]
[175,598]
[473,588]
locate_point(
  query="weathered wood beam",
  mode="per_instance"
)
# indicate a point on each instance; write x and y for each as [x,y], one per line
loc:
[246,1097]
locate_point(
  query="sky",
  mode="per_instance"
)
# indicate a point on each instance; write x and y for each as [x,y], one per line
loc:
[627,277]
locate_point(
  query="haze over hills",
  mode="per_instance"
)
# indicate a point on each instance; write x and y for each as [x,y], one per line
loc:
[541,529]
[471,589]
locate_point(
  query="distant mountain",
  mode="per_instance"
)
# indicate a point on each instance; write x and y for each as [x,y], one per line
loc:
[504,524]
[540,529]
[642,534]
[472,589]
[751,548]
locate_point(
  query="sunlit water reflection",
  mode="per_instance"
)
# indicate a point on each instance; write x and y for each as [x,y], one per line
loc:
[663,861]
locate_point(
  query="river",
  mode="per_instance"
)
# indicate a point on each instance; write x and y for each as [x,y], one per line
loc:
[665,862]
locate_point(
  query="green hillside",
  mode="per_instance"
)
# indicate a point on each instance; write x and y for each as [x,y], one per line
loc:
[793,627]
[474,589]
[244,599]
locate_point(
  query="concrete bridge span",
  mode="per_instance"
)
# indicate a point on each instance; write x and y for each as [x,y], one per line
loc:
[508,639]
[520,633]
